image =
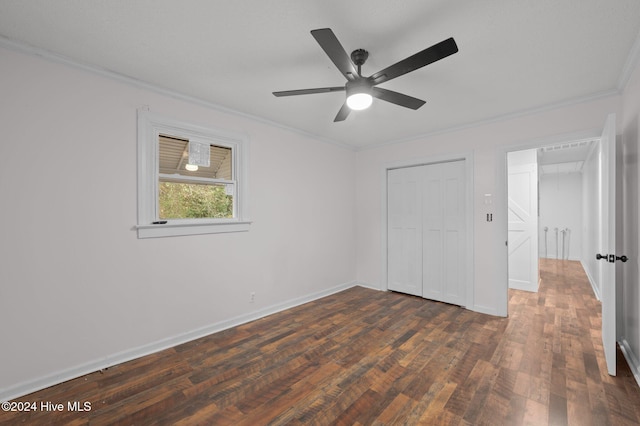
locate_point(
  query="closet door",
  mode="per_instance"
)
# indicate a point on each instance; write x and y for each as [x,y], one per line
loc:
[404,234]
[444,234]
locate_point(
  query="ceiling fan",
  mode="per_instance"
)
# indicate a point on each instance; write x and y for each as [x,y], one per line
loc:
[361,90]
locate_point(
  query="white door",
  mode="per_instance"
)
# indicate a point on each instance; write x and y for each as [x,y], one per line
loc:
[522,190]
[404,234]
[443,230]
[608,279]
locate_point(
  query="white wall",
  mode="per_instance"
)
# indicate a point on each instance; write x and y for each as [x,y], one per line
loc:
[489,143]
[80,291]
[560,207]
[629,235]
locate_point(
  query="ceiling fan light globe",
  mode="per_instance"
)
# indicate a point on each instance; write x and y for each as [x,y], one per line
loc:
[359,101]
[191,167]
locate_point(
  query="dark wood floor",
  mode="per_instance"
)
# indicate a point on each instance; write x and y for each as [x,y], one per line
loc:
[366,357]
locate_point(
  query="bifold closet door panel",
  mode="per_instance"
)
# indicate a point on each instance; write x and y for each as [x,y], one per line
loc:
[404,234]
[443,206]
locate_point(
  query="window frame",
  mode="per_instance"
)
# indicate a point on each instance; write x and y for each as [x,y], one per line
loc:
[150,127]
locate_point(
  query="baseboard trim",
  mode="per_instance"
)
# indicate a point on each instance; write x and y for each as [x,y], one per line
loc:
[515,285]
[475,308]
[30,386]
[484,310]
[631,358]
[369,286]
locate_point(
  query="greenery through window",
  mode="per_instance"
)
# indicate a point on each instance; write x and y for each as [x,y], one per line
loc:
[186,192]
[189,200]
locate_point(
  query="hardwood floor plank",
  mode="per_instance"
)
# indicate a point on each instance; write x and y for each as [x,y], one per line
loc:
[361,411]
[363,357]
[396,412]
[557,410]
[535,413]
[434,402]
[478,401]
[517,408]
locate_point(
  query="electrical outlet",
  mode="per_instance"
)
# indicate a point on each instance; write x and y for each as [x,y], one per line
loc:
[252,297]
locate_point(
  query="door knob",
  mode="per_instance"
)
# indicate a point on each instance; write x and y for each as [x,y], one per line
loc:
[611,257]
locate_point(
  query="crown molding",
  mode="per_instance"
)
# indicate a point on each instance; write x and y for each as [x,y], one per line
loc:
[125,79]
[632,62]
[499,118]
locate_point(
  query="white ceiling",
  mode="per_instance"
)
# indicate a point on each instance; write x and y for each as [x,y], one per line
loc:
[515,55]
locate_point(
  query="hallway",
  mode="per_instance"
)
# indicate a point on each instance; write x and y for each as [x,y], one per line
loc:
[555,341]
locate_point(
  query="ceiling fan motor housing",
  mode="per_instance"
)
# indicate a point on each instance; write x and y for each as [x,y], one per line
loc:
[359,56]
[360,85]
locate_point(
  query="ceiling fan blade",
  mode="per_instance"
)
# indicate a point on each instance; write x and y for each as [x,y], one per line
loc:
[397,98]
[334,50]
[309,91]
[419,60]
[343,113]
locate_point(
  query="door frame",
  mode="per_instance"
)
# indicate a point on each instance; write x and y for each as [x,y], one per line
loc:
[467,157]
[502,200]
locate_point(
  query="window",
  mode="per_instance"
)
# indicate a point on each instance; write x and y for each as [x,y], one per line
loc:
[191,180]
[194,191]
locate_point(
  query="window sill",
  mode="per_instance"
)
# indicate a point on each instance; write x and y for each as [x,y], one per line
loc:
[175,229]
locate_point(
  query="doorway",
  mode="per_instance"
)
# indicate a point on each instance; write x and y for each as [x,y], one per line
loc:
[548,192]
[598,256]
